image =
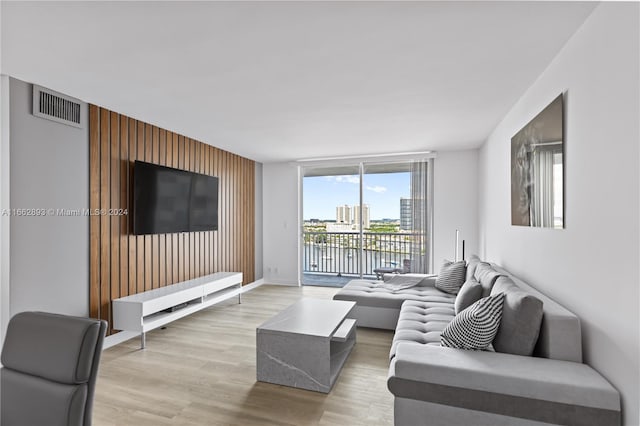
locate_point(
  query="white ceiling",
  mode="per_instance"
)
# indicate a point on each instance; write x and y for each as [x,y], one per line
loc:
[276,81]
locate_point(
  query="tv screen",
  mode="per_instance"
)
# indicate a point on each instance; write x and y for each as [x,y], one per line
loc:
[167,200]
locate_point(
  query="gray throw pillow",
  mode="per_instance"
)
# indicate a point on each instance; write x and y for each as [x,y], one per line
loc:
[521,318]
[486,276]
[472,264]
[475,327]
[470,293]
[451,276]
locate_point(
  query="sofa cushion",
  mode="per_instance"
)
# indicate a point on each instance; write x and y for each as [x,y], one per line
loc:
[374,294]
[421,323]
[475,327]
[451,276]
[425,279]
[470,293]
[521,318]
[486,276]
[472,264]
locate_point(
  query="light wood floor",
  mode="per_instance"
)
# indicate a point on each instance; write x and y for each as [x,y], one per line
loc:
[201,370]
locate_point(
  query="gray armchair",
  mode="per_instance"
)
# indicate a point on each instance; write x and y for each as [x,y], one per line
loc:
[50,364]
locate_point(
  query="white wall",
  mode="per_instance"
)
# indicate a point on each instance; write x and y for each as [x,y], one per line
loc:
[4,204]
[49,256]
[591,267]
[280,224]
[455,204]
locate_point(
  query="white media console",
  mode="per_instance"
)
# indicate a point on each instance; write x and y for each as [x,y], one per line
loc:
[151,309]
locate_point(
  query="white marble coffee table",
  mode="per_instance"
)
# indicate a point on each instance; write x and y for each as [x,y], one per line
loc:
[306,345]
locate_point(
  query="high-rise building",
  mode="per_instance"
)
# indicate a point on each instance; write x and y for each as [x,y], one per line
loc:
[343,214]
[408,214]
[365,216]
[405,214]
[351,215]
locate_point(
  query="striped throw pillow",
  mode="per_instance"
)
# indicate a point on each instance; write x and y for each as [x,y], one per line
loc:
[451,276]
[475,327]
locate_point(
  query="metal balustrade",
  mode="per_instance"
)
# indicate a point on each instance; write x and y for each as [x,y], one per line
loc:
[339,252]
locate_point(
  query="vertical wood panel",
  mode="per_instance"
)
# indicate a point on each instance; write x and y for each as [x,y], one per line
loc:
[230,217]
[182,238]
[105,228]
[140,238]
[175,237]
[224,226]
[196,235]
[122,263]
[148,244]
[187,236]
[155,239]
[94,204]
[207,248]
[114,202]
[169,239]
[202,256]
[162,247]
[133,134]
[192,235]
[123,163]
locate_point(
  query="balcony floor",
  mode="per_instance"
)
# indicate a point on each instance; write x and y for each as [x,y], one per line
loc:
[329,280]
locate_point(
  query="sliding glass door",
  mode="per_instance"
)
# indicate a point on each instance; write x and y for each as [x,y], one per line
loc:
[363,220]
[331,254]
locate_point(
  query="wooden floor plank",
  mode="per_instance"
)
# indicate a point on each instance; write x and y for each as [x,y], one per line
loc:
[201,370]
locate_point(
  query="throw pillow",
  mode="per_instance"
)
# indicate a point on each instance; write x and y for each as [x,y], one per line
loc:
[521,318]
[451,276]
[475,327]
[470,293]
[486,276]
[401,282]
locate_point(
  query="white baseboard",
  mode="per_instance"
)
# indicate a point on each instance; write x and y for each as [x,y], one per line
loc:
[284,283]
[116,339]
[123,336]
[251,286]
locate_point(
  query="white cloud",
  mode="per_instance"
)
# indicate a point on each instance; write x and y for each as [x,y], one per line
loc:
[345,179]
[377,188]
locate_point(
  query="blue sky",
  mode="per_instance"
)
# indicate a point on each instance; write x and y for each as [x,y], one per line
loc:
[322,194]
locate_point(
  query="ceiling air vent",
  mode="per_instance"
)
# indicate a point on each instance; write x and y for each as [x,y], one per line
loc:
[56,106]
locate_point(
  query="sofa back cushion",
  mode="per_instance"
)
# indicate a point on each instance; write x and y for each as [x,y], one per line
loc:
[472,264]
[486,276]
[560,334]
[470,293]
[521,318]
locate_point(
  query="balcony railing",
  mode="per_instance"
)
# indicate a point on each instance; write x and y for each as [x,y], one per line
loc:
[339,252]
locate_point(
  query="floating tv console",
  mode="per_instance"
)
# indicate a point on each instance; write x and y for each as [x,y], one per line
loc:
[151,309]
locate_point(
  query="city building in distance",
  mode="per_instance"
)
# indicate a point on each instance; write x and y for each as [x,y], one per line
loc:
[348,219]
[405,214]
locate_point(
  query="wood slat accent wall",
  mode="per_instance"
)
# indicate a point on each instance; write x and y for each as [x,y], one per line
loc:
[122,264]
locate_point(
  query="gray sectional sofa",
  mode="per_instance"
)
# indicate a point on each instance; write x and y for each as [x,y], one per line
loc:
[434,385]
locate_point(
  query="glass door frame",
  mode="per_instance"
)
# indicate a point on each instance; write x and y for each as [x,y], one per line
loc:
[362,162]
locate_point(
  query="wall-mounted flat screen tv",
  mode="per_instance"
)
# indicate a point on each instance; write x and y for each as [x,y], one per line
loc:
[167,200]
